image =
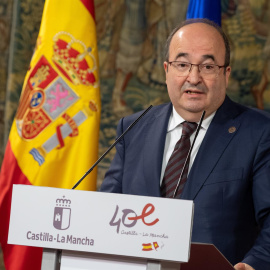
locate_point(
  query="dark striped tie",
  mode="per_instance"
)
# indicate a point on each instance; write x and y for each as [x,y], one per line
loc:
[176,163]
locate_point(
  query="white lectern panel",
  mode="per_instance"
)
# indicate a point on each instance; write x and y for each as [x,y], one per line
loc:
[134,226]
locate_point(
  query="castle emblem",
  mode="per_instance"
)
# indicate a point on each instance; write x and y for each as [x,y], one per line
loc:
[31,119]
[62,214]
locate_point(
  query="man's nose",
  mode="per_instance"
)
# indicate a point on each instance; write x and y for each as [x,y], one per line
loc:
[194,76]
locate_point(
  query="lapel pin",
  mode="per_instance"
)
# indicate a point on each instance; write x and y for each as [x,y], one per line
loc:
[232,129]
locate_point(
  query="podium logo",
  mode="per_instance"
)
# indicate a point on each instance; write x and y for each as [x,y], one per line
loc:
[62,214]
[130,221]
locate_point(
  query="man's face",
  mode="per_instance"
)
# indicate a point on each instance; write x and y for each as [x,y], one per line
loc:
[196,43]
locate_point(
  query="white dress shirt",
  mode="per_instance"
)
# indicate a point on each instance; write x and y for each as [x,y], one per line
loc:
[174,133]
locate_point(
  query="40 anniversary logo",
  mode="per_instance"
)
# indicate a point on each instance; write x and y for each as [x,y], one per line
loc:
[146,212]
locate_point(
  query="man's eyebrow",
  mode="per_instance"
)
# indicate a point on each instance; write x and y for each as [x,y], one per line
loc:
[181,54]
[204,57]
[209,56]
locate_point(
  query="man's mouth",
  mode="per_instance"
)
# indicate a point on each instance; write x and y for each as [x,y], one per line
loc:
[193,92]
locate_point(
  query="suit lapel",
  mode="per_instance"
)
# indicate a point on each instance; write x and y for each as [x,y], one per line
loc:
[154,147]
[222,129]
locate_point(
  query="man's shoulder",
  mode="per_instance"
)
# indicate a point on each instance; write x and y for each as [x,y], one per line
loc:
[246,113]
[255,114]
[260,113]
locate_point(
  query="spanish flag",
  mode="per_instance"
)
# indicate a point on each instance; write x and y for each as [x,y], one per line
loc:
[54,137]
[147,247]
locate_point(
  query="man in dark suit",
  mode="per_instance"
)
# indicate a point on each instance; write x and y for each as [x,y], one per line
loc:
[229,168]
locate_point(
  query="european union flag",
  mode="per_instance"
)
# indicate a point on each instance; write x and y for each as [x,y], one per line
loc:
[210,9]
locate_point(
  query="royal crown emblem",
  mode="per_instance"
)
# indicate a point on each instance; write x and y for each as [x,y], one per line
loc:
[74,59]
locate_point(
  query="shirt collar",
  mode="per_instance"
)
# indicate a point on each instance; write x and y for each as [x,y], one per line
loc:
[175,120]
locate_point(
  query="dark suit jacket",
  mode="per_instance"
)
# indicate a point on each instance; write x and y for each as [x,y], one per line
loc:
[229,181]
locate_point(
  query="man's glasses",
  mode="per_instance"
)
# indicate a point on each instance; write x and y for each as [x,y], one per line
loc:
[209,71]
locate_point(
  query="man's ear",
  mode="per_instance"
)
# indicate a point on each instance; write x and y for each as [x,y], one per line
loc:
[165,65]
[228,72]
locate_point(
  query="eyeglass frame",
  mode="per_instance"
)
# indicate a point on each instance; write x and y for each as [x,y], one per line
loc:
[198,65]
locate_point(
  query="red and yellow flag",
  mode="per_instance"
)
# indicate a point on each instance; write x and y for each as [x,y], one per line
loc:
[54,137]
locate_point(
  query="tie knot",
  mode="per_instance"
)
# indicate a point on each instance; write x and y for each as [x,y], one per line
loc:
[188,128]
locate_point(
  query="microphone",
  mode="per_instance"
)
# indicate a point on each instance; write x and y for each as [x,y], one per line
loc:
[188,155]
[110,148]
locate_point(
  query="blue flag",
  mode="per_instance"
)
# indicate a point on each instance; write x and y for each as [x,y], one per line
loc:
[209,9]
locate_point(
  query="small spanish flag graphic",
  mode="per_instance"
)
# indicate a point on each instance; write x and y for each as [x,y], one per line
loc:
[147,247]
[156,246]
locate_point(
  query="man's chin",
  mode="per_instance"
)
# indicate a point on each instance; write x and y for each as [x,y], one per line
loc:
[195,109]
[191,114]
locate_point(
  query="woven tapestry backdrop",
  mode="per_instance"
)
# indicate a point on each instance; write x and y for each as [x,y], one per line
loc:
[131,35]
